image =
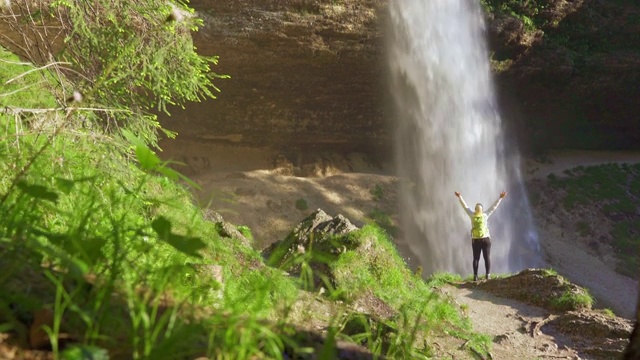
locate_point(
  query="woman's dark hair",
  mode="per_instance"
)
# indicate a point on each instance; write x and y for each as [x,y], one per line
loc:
[480,205]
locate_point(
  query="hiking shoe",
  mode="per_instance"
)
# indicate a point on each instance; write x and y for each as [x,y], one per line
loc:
[475,277]
[488,276]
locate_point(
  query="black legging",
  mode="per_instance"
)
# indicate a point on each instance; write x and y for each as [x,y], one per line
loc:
[481,245]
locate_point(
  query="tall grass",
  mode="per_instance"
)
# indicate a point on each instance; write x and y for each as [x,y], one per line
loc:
[98,231]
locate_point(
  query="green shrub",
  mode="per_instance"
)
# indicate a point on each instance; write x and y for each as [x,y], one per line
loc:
[573,301]
[377,192]
[301,204]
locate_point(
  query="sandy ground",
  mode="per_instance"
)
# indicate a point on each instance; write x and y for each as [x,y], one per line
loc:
[241,184]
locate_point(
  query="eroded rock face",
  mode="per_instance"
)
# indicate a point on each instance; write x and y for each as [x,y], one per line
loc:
[305,75]
[571,77]
[309,75]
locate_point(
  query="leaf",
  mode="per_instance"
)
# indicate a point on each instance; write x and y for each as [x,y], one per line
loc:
[38,191]
[146,158]
[134,140]
[92,249]
[186,245]
[85,352]
[175,175]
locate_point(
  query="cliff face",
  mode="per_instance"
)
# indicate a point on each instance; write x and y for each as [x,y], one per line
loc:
[305,75]
[569,70]
[308,75]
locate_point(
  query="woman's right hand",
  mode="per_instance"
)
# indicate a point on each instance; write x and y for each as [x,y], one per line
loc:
[457,194]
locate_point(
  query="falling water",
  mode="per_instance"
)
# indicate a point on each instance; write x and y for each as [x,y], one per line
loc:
[450,138]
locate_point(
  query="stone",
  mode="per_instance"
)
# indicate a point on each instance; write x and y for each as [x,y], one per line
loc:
[314,232]
[226,229]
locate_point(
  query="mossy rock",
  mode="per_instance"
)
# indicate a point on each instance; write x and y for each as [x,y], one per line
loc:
[542,288]
[317,240]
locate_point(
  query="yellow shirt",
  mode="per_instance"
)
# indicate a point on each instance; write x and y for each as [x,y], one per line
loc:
[479,228]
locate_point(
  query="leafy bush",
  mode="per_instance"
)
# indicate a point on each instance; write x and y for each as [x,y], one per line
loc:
[573,301]
[377,192]
[301,204]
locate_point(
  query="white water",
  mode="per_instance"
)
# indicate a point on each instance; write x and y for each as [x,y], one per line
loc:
[450,138]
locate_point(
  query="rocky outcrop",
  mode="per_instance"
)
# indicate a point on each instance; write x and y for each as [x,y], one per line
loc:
[540,288]
[319,233]
[226,229]
[594,335]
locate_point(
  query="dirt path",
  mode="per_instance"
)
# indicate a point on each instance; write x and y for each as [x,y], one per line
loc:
[510,324]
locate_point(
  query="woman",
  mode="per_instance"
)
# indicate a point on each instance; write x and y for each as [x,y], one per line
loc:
[480,237]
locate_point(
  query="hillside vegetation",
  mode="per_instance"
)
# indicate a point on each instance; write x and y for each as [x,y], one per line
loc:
[599,204]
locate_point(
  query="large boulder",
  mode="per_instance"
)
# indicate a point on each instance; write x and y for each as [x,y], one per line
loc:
[316,240]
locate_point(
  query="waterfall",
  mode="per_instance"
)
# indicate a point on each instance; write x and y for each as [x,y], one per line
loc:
[450,138]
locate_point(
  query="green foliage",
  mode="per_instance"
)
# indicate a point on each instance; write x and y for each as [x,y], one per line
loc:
[17,89]
[442,278]
[527,11]
[570,300]
[84,352]
[377,192]
[609,313]
[245,231]
[385,221]
[301,204]
[114,249]
[122,55]
[381,270]
[550,272]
